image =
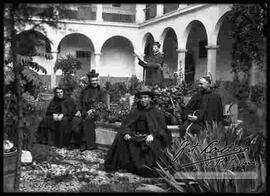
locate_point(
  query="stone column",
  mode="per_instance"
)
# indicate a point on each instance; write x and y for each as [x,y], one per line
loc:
[181,63]
[97,62]
[138,70]
[53,76]
[140,14]
[160,10]
[99,13]
[212,60]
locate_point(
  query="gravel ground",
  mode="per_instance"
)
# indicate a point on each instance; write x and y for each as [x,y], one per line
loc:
[61,170]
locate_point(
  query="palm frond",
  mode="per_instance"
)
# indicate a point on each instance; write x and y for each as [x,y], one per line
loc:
[21,59]
[35,66]
[32,76]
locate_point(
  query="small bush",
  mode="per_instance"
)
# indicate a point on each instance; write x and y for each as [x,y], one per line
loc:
[116,90]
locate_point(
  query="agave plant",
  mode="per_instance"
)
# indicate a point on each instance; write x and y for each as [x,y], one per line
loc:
[188,168]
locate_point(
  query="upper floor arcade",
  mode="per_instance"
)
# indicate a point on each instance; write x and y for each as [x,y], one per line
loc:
[199,31]
[123,13]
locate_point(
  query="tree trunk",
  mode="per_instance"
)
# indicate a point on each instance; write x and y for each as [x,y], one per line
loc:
[19,125]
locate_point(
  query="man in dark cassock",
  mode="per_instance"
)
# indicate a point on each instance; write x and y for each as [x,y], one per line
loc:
[56,126]
[204,106]
[142,138]
[76,134]
[90,96]
[153,67]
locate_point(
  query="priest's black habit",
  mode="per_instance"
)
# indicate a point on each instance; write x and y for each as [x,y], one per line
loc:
[209,108]
[133,156]
[58,133]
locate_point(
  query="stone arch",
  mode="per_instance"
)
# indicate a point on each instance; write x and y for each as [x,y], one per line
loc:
[29,41]
[81,47]
[223,39]
[196,38]
[184,37]
[148,36]
[148,41]
[164,34]
[218,26]
[169,46]
[117,57]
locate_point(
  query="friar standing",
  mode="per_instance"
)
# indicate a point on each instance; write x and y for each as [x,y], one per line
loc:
[90,95]
[153,67]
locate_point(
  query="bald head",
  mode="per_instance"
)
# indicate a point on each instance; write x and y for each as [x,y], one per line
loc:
[204,84]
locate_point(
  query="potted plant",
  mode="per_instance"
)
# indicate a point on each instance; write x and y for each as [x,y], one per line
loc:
[10,159]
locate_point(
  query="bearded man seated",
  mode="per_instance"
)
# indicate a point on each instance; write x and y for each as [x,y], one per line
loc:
[142,139]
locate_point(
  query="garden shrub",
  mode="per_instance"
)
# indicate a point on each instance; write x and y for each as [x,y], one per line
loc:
[69,66]
[116,90]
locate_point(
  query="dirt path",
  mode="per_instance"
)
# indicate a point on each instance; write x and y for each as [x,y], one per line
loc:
[61,170]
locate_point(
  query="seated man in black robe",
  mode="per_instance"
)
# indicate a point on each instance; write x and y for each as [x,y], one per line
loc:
[141,140]
[56,126]
[204,106]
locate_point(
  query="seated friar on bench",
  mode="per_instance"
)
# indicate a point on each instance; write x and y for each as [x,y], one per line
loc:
[141,139]
[203,108]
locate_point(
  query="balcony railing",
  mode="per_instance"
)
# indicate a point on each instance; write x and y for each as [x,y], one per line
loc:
[112,14]
[116,14]
[81,13]
[118,17]
[119,10]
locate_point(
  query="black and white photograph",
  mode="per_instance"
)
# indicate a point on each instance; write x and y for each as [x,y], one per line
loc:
[134,97]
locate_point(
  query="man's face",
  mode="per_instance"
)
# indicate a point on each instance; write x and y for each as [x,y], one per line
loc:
[203,84]
[94,82]
[145,100]
[155,48]
[59,93]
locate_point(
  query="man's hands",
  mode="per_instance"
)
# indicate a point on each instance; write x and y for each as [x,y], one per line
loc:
[149,139]
[192,118]
[55,117]
[90,112]
[127,137]
[58,117]
[78,114]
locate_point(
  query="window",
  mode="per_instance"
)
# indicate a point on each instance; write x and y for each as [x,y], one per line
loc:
[150,11]
[116,5]
[202,49]
[83,54]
